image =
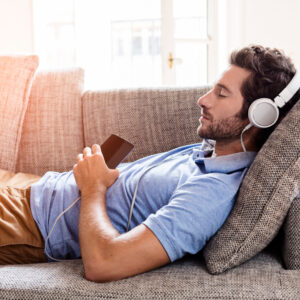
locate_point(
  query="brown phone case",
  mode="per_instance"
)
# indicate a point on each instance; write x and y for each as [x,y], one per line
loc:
[115,149]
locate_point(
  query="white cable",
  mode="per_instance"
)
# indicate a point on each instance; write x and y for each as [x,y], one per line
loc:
[131,207]
[58,217]
[245,129]
[134,196]
[136,187]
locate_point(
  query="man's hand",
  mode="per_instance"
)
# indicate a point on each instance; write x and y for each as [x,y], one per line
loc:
[91,172]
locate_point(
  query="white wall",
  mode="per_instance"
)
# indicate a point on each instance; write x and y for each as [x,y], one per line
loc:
[273,23]
[16,34]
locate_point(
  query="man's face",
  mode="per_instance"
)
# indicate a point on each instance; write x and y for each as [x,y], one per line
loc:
[220,107]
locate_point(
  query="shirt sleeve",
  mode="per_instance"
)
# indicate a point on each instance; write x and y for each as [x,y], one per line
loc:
[195,212]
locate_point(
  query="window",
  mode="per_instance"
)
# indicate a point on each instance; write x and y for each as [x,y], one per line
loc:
[127,43]
[54,32]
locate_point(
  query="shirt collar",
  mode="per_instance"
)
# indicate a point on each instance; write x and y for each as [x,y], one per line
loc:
[224,163]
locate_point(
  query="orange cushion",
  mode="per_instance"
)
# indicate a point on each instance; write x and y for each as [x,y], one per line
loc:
[16,77]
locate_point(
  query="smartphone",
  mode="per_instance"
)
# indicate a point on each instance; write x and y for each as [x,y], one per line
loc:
[114,150]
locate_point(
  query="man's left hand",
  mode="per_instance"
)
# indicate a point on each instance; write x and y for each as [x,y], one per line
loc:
[91,172]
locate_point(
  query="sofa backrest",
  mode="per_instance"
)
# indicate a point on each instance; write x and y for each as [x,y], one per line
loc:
[52,133]
[16,78]
[60,120]
[154,120]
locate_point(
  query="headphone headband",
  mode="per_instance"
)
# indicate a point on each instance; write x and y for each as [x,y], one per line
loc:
[289,91]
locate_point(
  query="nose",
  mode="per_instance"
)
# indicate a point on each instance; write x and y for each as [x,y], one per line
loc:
[204,101]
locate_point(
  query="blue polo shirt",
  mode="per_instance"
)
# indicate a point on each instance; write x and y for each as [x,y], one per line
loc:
[182,197]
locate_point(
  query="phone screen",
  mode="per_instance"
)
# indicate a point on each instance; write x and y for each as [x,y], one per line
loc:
[114,150]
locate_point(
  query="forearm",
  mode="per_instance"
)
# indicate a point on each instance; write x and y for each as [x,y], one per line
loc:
[106,254]
[95,229]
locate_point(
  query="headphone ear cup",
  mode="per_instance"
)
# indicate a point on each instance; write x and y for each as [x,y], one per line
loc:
[263,113]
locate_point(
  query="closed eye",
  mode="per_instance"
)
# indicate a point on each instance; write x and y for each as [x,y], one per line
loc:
[221,93]
[221,90]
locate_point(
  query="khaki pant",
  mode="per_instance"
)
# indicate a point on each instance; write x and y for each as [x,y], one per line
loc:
[20,239]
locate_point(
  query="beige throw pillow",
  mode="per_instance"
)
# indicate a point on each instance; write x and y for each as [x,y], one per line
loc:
[267,191]
[52,132]
[16,77]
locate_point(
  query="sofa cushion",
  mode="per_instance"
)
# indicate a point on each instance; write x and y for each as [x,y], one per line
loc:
[263,277]
[291,237]
[154,120]
[52,132]
[16,76]
[266,193]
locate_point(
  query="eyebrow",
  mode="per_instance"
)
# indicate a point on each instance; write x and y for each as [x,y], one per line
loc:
[224,87]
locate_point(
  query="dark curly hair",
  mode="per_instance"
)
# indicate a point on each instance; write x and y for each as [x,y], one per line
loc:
[271,71]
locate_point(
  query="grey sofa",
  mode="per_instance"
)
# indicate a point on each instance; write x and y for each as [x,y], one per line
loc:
[60,120]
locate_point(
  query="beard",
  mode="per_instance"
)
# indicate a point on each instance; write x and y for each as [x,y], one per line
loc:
[228,128]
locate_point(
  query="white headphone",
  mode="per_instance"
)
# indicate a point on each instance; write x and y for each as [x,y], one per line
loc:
[264,112]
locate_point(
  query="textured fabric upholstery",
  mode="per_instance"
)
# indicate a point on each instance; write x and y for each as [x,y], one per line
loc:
[263,277]
[52,132]
[291,236]
[16,76]
[154,120]
[266,193]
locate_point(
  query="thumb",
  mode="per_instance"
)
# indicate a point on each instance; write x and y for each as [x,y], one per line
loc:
[115,173]
[112,176]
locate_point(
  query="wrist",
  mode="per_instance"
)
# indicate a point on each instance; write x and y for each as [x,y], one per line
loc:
[93,190]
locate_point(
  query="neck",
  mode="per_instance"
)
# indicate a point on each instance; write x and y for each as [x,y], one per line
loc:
[230,146]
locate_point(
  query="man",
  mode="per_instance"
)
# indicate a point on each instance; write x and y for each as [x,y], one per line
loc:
[183,196]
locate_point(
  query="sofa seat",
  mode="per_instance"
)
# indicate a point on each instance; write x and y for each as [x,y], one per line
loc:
[262,277]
